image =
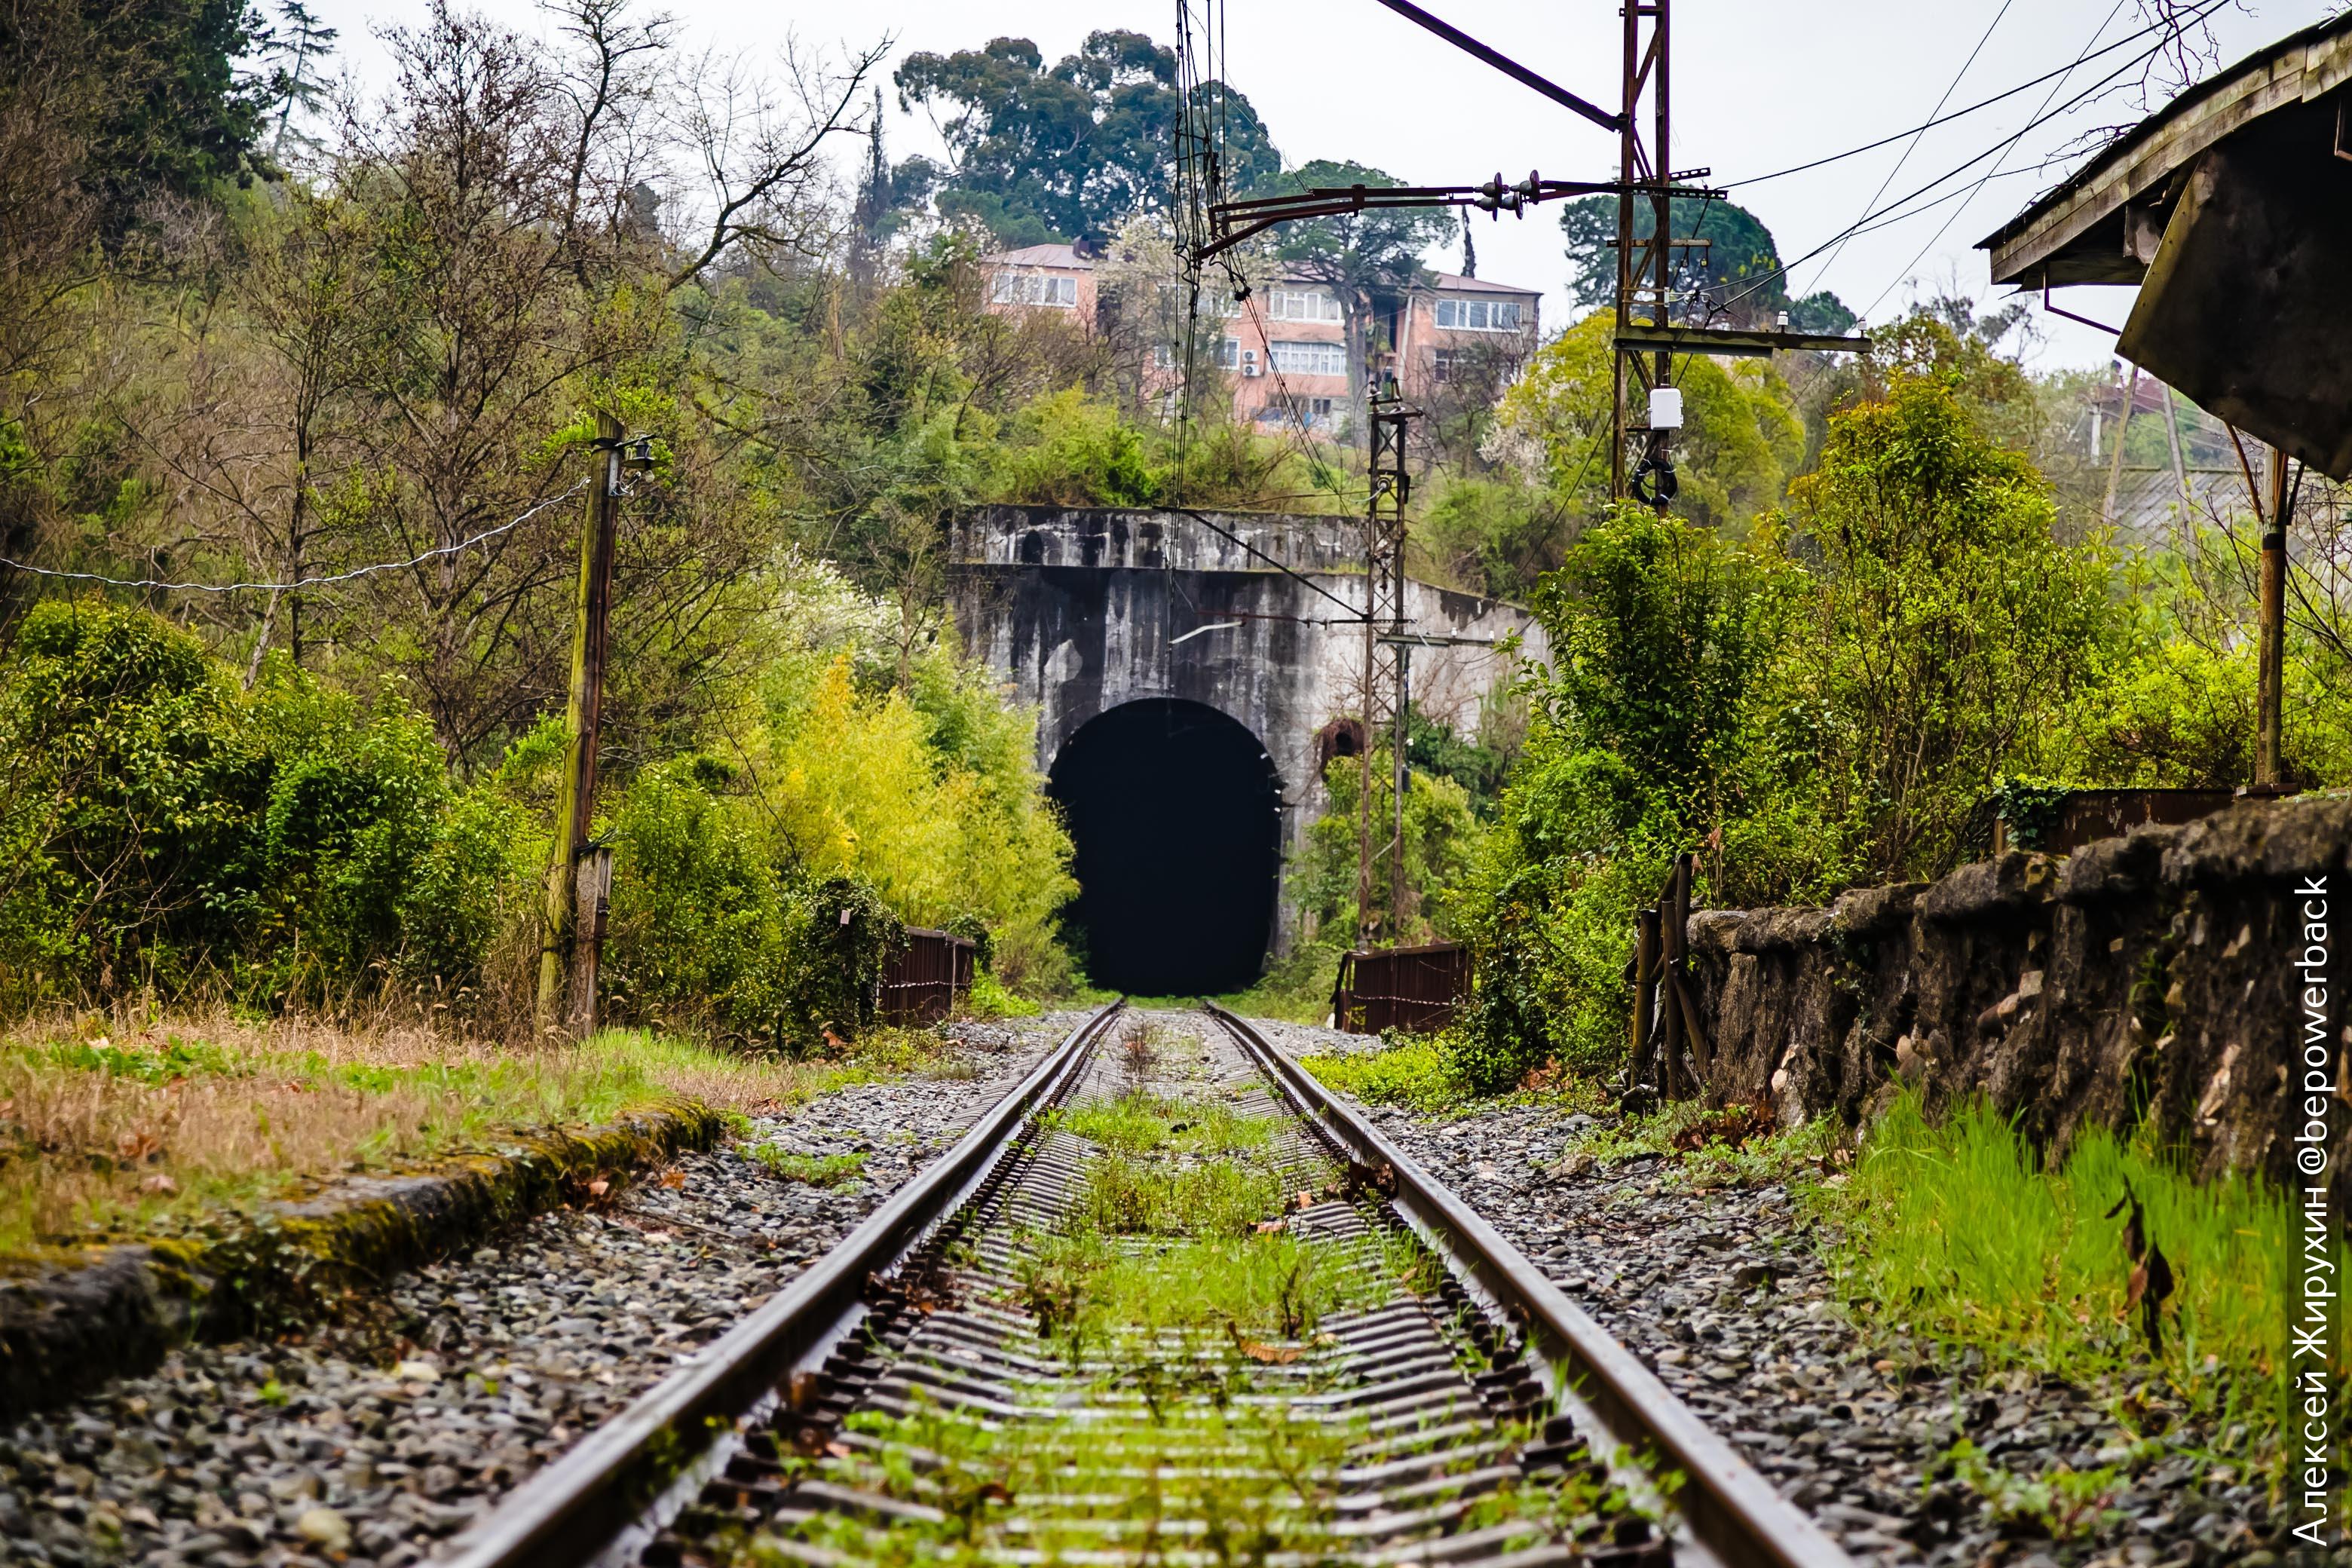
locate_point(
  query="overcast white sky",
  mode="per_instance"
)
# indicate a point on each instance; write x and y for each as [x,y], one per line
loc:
[1758,87]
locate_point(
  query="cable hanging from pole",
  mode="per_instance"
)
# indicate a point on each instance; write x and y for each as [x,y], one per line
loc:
[300,582]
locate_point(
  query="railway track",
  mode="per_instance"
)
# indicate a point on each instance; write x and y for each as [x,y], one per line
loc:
[1169,1300]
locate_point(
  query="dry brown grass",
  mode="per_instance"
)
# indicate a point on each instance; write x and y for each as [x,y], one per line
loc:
[114,1125]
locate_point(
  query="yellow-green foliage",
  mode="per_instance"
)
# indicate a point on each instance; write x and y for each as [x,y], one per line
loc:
[858,786]
[851,772]
[1740,443]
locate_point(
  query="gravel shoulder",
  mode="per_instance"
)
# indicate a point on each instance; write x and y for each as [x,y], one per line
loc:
[1724,1294]
[370,1441]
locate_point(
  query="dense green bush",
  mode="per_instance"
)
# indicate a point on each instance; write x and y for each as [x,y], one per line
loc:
[163,826]
[1838,699]
[160,823]
[1441,836]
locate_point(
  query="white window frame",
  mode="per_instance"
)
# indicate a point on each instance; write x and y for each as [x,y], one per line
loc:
[1055,291]
[1296,356]
[1477,315]
[1293,302]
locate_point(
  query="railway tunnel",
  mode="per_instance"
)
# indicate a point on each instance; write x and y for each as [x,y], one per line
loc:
[1175,809]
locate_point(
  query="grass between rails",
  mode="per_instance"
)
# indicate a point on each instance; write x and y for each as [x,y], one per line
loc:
[1419,1073]
[1180,1298]
[108,1129]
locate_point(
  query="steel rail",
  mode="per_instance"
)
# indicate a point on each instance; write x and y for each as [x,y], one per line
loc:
[571,1511]
[1728,1508]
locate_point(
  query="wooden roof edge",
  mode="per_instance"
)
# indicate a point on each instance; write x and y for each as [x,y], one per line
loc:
[2302,66]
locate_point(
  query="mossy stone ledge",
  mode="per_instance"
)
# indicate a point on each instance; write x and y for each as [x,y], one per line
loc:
[73,1317]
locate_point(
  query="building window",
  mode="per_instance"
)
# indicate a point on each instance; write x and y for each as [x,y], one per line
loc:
[1309,359]
[1301,305]
[1036,289]
[1302,411]
[1441,366]
[1163,356]
[1478,315]
[1228,354]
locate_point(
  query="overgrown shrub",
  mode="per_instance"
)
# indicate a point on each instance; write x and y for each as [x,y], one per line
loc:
[163,824]
[837,789]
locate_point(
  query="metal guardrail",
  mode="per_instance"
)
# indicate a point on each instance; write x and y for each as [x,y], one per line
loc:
[1727,1506]
[573,1511]
[1417,989]
[927,977]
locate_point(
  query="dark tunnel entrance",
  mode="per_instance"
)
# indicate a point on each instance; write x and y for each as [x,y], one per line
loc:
[1175,810]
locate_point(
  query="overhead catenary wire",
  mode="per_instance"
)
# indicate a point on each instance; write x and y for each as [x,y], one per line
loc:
[326,580]
[1893,212]
[2006,148]
[2002,97]
[1953,87]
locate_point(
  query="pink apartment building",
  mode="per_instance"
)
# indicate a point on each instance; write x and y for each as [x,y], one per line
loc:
[1285,348]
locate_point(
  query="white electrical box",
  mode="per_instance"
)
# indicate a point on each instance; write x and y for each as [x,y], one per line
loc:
[1666,408]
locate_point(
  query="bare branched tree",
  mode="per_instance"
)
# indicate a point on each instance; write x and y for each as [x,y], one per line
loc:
[615,82]
[758,155]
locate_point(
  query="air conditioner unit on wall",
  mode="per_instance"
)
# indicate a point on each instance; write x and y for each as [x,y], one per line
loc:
[1249,367]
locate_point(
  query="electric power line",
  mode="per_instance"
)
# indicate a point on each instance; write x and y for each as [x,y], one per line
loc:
[437,552]
[2006,148]
[1891,211]
[2001,97]
[1958,77]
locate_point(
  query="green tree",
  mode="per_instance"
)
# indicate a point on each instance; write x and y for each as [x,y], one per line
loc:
[1737,272]
[1740,437]
[1643,740]
[1358,255]
[296,55]
[1072,151]
[1948,628]
[1441,836]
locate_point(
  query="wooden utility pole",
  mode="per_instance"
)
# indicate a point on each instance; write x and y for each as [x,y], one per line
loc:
[570,940]
[2115,463]
[2271,661]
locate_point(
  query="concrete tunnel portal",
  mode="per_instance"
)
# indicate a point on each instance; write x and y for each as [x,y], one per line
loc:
[1175,810]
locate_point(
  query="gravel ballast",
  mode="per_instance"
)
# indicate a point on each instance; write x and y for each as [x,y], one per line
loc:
[1724,1294]
[373,1440]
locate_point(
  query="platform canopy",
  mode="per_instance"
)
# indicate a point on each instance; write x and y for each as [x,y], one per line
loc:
[2232,208]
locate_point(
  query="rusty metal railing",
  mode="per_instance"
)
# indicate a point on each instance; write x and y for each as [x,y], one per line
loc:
[1416,989]
[927,977]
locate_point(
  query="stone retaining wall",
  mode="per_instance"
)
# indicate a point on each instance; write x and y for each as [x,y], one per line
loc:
[2145,976]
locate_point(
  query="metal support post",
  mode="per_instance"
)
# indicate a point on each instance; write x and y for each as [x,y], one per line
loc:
[1399,779]
[1645,987]
[2271,654]
[1645,267]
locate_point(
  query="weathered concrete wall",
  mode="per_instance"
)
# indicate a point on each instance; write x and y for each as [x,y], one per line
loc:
[1075,608]
[2149,975]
